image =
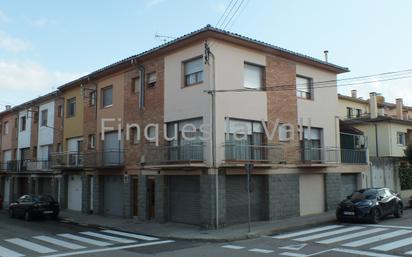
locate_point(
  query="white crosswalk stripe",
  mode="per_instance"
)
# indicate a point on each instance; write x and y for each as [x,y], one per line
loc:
[4,252]
[378,238]
[394,245]
[330,233]
[30,245]
[350,236]
[136,236]
[85,240]
[308,231]
[111,238]
[59,242]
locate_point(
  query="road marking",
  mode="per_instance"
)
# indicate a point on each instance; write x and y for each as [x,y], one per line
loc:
[4,252]
[234,247]
[394,245]
[309,231]
[339,250]
[59,242]
[141,237]
[111,238]
[389,226]
[110,249]
[293,247]
[330,233]
[377,238]
[257,250]
[30,245]
[85,240]
[350,236]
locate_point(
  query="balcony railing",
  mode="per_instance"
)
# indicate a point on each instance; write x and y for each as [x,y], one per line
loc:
[26,166]
[175,154]
[107,158]
[241,152]
[354,156]
[333,155]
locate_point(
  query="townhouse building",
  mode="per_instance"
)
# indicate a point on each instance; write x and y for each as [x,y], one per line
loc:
[387,127]
[212,82]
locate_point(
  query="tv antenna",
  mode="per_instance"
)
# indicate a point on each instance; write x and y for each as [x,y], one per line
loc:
[164,38]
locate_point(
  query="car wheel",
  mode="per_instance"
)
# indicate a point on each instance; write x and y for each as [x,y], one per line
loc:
[375,216]
[27,216]
[398,212]
[11,213]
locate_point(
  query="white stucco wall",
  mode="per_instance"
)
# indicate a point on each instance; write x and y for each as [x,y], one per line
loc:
[46,133]
[324,108]
[24,136]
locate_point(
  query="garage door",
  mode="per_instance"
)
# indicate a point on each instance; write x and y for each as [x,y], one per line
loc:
[185,199]
[113,195]
[312,194]
[237,199]
[74,193]
[349,184]
[45,187]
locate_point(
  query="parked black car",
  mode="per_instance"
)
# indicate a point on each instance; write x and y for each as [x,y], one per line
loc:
[31,206]
[370,205]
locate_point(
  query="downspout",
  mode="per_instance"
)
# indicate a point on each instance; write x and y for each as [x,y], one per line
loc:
[376,140]
[214,139]
[142,80]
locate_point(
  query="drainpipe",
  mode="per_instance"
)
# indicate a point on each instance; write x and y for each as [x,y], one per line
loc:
[376,140]
[214,138]
[142,79]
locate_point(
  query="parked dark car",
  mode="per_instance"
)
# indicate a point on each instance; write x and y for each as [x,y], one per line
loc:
[370,205]
[31,206]
[410,201]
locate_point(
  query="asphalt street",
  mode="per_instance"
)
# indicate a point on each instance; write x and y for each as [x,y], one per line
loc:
[391,238]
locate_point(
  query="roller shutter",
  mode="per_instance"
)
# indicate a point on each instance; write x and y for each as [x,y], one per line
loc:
[349,184]
[113,195]
[185,199]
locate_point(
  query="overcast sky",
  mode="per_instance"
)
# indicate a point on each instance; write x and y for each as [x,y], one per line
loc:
[44,44]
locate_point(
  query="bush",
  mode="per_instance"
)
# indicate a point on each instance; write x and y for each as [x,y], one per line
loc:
[405,176]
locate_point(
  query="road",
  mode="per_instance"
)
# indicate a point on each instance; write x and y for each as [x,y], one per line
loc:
[18,238]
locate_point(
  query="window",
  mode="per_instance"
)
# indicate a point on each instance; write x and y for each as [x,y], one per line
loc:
[44,114]
[23,123]
[193,71]
[134,136]
[151,79]
[71,107]
[92,142]
[107,96]
[401,138]
[92,98]
[304,87]
[6,128]
[349,112]
[358,113]
[253,76]
[59,111]
[135,85]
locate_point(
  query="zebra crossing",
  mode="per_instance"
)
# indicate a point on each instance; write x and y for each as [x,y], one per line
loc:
[68,244]
[374,238]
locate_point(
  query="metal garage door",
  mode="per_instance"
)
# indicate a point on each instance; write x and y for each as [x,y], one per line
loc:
[185,199]
[113,195]
[349,184]
[74,193]
[45,186]
[312,194]
[237,201]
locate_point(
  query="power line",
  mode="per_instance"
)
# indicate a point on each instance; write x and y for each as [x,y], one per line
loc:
[234,14]
[224,13]
[240,13]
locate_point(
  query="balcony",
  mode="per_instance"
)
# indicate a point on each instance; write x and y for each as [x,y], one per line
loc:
[78,160]
[240,152]
[26,166]
[333,155]
[187,153]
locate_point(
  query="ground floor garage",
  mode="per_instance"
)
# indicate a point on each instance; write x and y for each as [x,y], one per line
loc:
[113,195]
[349,184]
[74,192]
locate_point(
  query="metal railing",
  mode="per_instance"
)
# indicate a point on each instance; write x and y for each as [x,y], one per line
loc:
[238,151]
[333,155]
[106,158]
[170,154]
[26,166]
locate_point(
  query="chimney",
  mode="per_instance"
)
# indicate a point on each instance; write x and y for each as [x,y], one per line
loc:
[354,93]
[326,55]
[373,105]
[399,108]
[8,107]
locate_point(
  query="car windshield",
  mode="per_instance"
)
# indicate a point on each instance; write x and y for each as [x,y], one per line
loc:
[363,194]
[43,198]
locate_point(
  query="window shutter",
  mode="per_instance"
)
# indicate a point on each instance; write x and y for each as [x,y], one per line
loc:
[194,66]
[253,76]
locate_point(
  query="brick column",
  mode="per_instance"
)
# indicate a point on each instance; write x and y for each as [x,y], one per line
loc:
[54,187]
[143,207]
[333,186]
[98,207]
[208,200]
[127,197]
[86,194]
[63,191]
[161,196]
[35,185]
[283,196]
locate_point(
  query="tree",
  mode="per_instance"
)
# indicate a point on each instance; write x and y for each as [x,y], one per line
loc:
[408,153]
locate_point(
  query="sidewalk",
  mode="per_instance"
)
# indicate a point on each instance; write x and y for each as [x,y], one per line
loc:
[189,232]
